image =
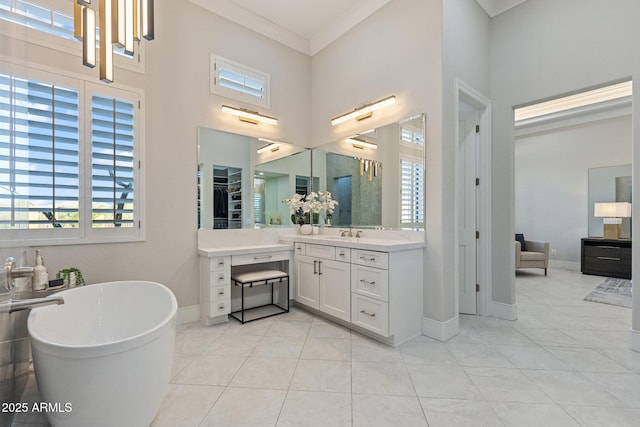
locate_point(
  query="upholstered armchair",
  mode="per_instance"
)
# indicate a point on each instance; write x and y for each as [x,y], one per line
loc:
[536,255]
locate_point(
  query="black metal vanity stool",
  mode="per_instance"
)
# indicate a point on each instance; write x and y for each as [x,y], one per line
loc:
[259,278]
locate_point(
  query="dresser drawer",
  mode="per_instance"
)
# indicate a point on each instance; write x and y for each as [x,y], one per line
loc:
[370,314]
[370,258]
[321,251]
[219,263]
[258,258]
[371,282]
[607,251]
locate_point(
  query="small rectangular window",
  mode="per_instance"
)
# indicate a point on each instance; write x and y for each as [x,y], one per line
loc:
[411,136]
[239,82]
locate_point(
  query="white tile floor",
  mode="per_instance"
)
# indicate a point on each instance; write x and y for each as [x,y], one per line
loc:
[564,362]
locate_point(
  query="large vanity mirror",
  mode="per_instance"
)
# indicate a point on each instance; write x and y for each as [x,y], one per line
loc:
[376,177]
[242,180]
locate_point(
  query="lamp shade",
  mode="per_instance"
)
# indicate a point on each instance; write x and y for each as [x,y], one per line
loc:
[612,210]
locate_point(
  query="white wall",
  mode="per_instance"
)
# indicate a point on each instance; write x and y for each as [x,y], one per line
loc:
[551,181]
[466,57]
[177,102]
[544,48]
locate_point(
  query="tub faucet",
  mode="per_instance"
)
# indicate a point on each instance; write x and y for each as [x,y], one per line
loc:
[12,272]
[12,305]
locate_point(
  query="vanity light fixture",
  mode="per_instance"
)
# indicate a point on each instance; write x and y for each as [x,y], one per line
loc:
[271,146]
[365,111]
[122,23]
[252,117]
[361,143]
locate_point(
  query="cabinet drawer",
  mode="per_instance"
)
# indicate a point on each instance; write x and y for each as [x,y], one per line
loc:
[343,254]
[321,251]
[607,251]
[219,263]
[220,277]
[370,258]
[371,282]
[370,314]
[220,293]
[258,258]
[299,248]
[219,307]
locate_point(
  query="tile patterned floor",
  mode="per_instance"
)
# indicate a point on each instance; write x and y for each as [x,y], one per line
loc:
[564,362]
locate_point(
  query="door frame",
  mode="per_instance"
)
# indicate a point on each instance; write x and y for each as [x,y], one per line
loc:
[463,91]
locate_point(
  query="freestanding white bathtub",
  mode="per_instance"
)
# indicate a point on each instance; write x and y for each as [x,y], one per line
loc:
[104,357]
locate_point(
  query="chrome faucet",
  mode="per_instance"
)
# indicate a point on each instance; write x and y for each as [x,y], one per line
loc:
[12,305]
[346,233]
[358,234]
[12,272]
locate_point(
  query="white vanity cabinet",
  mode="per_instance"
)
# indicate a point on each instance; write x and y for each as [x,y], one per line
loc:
[323,282]
[377,292]
[215,289]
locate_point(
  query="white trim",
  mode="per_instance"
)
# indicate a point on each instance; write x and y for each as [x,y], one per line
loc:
[441,331]
[484,272]
[188,314]
[504,311]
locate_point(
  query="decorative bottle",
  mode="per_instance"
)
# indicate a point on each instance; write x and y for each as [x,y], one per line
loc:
[40,274]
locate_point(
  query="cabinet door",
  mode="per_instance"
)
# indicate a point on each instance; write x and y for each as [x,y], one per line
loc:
[335,288]
[307,281]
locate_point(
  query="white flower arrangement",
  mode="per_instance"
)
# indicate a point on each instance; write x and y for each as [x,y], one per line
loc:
[307,208]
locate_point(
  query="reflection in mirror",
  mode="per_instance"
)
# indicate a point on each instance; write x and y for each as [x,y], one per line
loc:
[377,177]
[239,187]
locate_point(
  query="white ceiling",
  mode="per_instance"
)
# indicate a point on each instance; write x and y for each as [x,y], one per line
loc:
[310,25]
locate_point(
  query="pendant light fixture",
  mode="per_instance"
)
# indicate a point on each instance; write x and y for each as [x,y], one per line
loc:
[122,23]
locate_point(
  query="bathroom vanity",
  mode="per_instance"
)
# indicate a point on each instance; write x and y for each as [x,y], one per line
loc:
[370,285]
[216,266]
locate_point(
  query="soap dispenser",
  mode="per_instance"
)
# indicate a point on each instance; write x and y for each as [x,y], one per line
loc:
[40,274]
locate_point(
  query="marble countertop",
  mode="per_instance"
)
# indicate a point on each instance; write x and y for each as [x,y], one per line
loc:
[244,249]
[384,245]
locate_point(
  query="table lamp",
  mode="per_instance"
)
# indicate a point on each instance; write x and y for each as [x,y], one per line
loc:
[612,214]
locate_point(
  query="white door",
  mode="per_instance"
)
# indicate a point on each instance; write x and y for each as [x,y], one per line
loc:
[467,214]
[307,281]
[335,288]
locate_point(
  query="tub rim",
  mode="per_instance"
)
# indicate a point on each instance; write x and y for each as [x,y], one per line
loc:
[40,343]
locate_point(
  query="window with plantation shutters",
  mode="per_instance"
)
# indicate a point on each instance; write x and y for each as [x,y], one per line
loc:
[411,192]
[69,160]
[112,162]
[39,154]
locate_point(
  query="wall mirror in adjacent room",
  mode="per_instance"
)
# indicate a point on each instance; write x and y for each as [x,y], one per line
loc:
[242,180]
[609,184]
[377,177]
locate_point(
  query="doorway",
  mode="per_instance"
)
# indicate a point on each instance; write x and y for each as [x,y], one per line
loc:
[473,200]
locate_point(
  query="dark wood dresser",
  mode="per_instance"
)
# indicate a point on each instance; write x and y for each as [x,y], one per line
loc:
[606,257]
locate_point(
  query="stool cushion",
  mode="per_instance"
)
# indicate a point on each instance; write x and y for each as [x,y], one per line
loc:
[259,276]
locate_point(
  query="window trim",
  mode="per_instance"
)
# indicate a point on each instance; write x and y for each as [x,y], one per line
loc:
[236,95]
[85,234]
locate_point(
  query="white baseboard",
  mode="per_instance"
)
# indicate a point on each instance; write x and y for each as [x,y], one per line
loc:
[188,314]
[441,331]
[567,265]
[503,311]
[634,340]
